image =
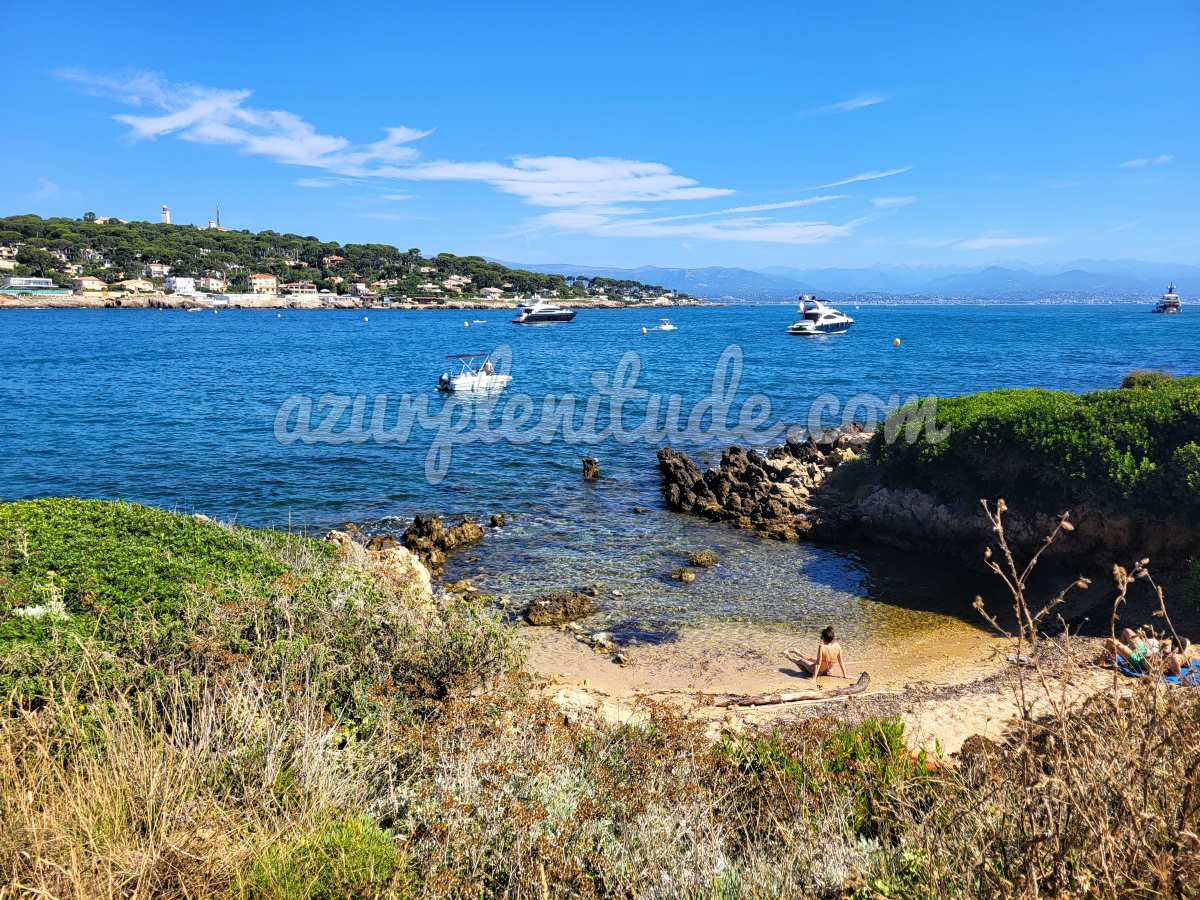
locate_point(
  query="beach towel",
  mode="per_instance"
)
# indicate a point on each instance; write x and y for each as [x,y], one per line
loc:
[1189,675]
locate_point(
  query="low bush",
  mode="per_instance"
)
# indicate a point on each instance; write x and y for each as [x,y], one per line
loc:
[1145,378]
[350,856]
[1139,448]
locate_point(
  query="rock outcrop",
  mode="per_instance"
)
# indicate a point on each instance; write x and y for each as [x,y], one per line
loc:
[396,568]
[591,468]
[771,493]
[559,608]
[431,540]
[805,490]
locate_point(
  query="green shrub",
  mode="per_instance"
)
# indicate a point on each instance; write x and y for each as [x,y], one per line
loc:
[1145,378]
[1049,448]
[873,762]
[97,595]
[118,558]
[350,856]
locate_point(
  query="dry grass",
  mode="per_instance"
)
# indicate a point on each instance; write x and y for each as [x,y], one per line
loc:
[371,745]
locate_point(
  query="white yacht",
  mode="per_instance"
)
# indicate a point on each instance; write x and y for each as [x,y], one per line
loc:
[474,377]
[665,325]
[817,318]
[1170,302]
[540,311]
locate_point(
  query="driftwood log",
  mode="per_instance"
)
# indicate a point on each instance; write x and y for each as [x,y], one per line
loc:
[864,680]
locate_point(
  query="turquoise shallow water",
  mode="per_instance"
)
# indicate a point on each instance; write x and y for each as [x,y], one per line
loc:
[177,410]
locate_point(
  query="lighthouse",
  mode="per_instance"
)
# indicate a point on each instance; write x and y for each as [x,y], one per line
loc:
[166,214]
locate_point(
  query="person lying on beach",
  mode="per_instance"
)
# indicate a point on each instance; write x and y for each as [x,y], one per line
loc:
[1131,647]
[1176,659]
[829,651]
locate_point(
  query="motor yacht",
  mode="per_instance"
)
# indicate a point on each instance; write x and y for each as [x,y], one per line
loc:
[540,311]
[665,325]
[817,318]
[1169,303]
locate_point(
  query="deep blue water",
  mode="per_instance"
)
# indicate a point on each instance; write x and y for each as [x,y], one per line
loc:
[177,409]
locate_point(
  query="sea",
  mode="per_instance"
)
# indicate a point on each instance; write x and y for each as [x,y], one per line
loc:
[221,414]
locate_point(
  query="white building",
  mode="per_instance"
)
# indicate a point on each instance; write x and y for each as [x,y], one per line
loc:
[180,284]
[299,287]
[156,270]
[263,284]
[137,285]
[166,214]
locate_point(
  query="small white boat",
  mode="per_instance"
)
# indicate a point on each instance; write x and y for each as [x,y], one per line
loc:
[665,325]
[816,318]
[1169,304]
[476,375]
[541,311]
[478,321]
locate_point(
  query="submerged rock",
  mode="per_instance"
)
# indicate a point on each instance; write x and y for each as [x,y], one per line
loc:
[702,559]
[687,576]
[498,520]
[559,608]
[591,468]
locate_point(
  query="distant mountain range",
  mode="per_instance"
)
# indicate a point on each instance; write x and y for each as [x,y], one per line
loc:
[1082,279]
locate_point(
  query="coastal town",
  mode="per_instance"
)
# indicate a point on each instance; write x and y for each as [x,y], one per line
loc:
[103,261]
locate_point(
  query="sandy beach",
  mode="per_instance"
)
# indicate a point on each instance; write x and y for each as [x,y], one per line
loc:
[946,684]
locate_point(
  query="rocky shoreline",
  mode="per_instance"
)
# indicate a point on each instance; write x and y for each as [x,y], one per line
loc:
[826,488]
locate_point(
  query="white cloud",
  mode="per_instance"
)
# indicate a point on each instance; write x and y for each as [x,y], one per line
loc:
[209,115]
[597,195]
[603,222]
[860,102]
[761,207]
[993,242]
[1142,162]
[892,202]
[321,182]
[396,197]
[863,176]
[568,181]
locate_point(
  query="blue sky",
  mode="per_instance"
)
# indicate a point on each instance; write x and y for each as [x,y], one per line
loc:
[624,133]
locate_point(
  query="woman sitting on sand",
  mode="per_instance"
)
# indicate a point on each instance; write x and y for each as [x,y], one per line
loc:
[829,651]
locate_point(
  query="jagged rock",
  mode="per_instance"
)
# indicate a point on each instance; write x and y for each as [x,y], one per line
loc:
[704,559]
[687,576]
[381,542]
[591,468]
[431,540]
[559,607]
[498,520]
